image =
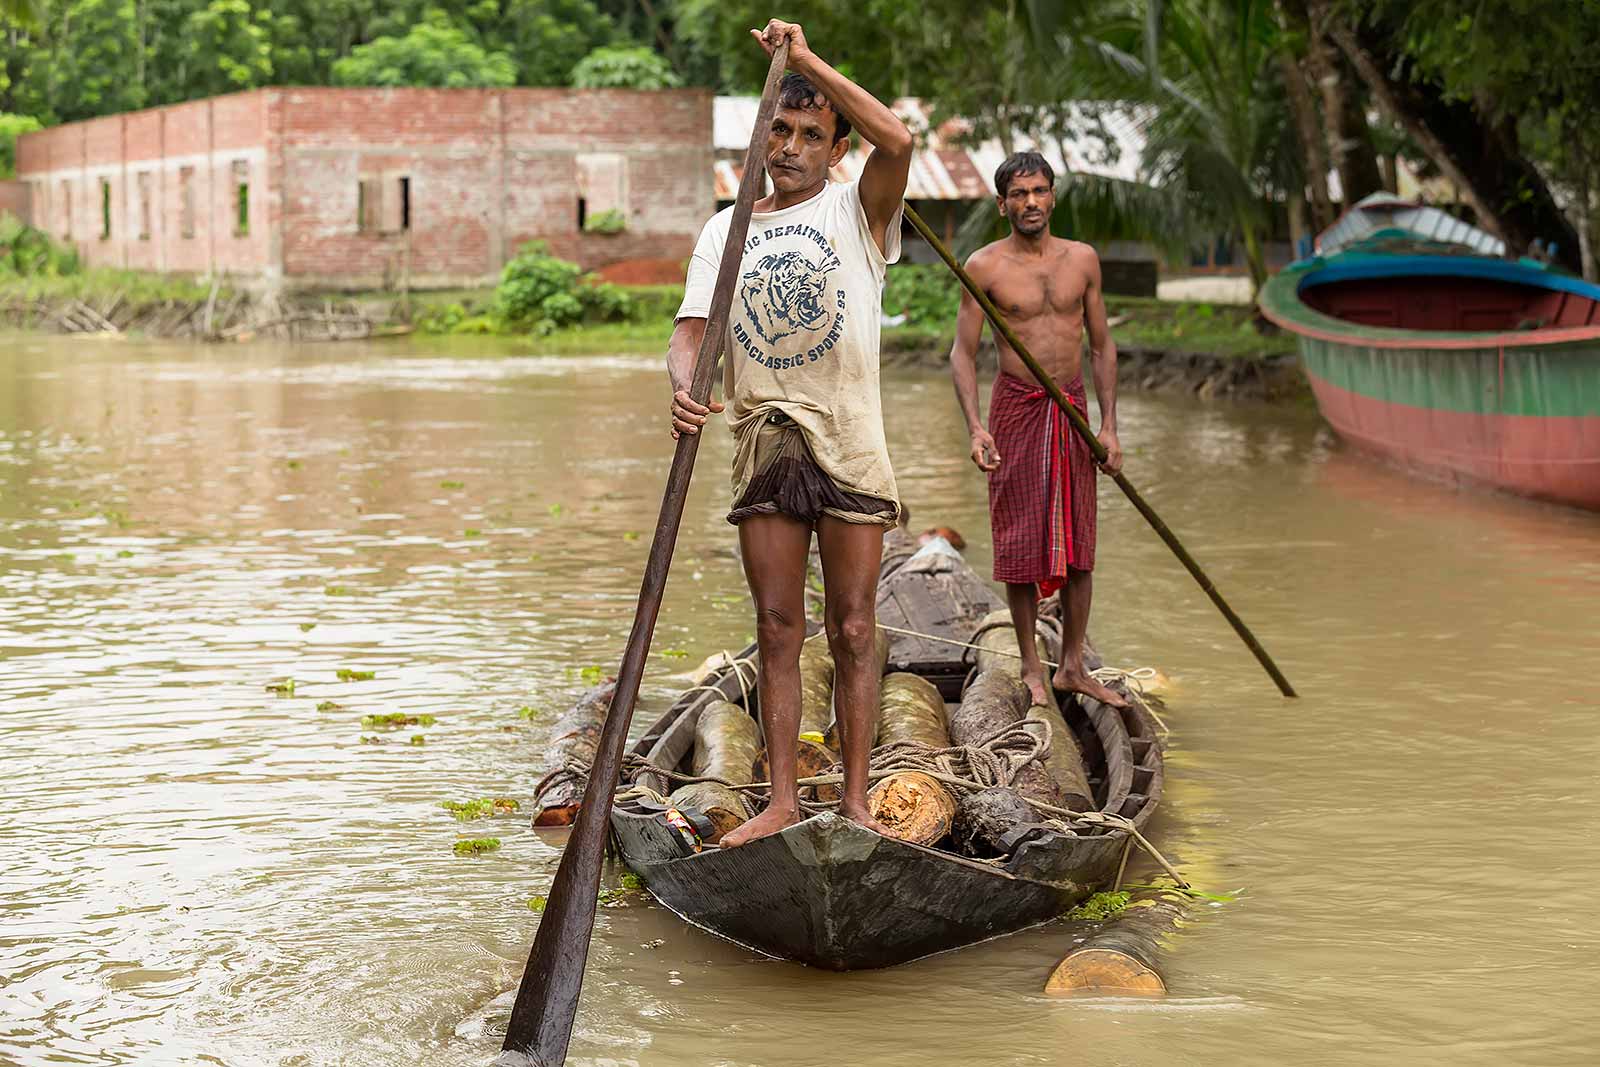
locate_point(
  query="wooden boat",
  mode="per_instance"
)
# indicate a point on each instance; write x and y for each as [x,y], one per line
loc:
[1451,363]
[829,893]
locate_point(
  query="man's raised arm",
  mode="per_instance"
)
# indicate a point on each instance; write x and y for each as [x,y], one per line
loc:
[883,178]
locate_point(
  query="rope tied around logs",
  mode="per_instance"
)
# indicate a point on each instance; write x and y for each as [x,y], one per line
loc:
[966,768]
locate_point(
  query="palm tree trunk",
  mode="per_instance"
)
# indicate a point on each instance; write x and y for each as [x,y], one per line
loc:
[1313,151]
[1350,147]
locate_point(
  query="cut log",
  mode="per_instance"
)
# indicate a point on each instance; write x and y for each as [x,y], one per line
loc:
[1122,957]
[576,737]
[1064,764]
[996,639]
[816,686]
[726,743]
[911,709]
[724,808]
[993,701]
[913,807]
[985,819]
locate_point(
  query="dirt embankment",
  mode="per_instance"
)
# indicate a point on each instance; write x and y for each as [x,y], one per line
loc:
[1272,378]
[220,315]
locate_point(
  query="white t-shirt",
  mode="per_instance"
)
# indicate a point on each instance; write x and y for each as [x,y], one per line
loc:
[803,330]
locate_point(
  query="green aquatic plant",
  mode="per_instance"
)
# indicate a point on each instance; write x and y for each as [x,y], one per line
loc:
[450,483]
[471,531]
[392,720]
[481,808]
[307,627]
[124,554]
[329,705]
[556,509]
[477,846]
[338,590]
[345,674]
[632,881]
[673,653]
[592,674]
[1102,906]
[293,464]
[284,687]
[538,904]
[528,712]
[374,740]
[630,536]
[419,739]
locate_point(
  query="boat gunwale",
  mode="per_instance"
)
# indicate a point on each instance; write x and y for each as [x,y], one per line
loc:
[1281,303]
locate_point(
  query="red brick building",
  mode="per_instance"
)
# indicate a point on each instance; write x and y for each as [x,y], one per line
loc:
[361,188]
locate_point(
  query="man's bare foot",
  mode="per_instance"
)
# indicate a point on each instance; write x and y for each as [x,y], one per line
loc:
[863,817]
[764,825]
[1034,677]
[1078,682]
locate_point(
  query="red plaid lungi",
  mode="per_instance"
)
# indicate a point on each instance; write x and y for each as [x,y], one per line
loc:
[1042,499]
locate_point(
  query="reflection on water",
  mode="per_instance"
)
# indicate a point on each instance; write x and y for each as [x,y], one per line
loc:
[199,871]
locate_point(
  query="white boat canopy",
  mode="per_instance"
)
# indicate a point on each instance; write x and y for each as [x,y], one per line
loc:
[1385,211]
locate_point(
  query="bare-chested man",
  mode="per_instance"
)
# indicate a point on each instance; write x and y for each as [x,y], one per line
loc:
[801,388]
[1041,474]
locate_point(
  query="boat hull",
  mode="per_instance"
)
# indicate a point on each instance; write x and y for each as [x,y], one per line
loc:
[1476,416]
[833,895]
[1460,367]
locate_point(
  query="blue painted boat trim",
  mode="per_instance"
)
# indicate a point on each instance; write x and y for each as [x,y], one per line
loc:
[1348,267]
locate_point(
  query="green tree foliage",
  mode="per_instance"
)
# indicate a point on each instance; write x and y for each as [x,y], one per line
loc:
[231,46]
[624,68]
[433,53]
[11,127]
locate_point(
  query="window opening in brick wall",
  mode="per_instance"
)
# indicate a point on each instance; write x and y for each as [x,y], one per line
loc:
[241,198]
[142,183]
[186,201]
[366,206]
[66,208]
[105,208]
[405,202]
[602,179]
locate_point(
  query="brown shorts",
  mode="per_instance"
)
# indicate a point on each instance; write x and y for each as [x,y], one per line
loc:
[788,481]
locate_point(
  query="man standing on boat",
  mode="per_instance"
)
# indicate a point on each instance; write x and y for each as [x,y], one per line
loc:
[1041,474]
[801,389]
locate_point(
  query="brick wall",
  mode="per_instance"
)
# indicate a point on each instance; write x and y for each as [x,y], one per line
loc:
[155,189]
[484,171]
[14,200]
[358,188]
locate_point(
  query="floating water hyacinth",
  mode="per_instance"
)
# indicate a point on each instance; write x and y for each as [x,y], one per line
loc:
[477,846]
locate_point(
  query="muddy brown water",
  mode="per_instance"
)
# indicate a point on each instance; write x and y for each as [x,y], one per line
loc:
[196,871]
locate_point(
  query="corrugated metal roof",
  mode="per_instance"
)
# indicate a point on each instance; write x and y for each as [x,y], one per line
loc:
[942,169]
[1385,211]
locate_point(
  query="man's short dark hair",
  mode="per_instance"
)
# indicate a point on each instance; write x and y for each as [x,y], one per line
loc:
[1018,164]
[797,91]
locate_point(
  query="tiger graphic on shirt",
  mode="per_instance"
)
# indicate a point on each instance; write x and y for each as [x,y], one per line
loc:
[785,293]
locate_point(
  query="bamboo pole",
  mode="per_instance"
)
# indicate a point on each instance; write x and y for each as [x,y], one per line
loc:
[1081,425]
[547,1000]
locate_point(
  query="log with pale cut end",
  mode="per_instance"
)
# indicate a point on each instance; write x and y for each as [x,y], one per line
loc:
[726,743]
[998,650]
[723,807]
[985,819]
[911,709]
[1123,956]
[577,737]
[993,701]
[913,807]
[816,686]
[1064,764]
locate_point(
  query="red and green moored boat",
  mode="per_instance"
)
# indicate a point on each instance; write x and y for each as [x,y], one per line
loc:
[1456,365]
